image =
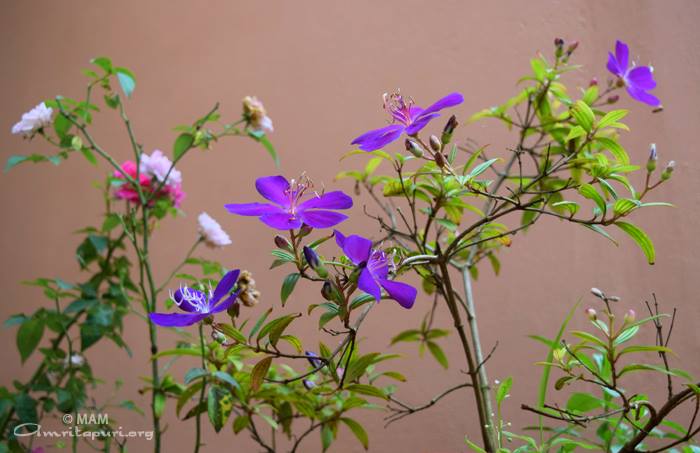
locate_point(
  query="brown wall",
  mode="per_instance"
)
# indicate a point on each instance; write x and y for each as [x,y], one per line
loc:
[320,68]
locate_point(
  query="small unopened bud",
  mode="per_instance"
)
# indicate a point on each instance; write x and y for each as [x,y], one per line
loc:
[559,47]
[77,360]
[598,293]
[593,82]
[571,48]
[308,384]
[218,337]
[613,298]
[448,130]
[357,188]
[327,290]
[666,174]
[435,144]
[413,148]
[282,242]
[592,314]
[653,157]
[613,99]
[305,230]
[313,359]
[630,316]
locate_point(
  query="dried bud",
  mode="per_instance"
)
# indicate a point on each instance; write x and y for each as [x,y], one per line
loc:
[218,337]
[651,163]
[630,316]
[592,314]
[440,160]
[435,144]
[413,148]
[666,174]
[613,99]
[593,82]
[249,297]
[598,293]
[327,290]
[305,230]
[282,242]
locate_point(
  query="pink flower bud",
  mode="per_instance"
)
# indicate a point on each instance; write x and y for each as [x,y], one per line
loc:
[592,314]
[630,316]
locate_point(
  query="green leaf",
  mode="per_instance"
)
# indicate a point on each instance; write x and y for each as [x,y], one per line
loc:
[583,402]
[193,374]
[28,337]
[584,115]
[326,436]
[186,395]
[357,430]
[624,206]
[232,332]
[240,423]
[367,390]
[263,140]
[13,161]
[89,335]
[482,167]
[407,335]
[159,404]
[178,352]
[598,229]
[227,378]
[615,149]
[631,349]
[219,405]
[257,375]
[259,323]
[438,353]
[288,285]
[591,193]
[182,144]
[126,80]
[612,117]
[575,132]
[640,237]
[645,367]
[503,390]
[103,62]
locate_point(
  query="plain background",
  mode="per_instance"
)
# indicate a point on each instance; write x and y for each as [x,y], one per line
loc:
[320,68]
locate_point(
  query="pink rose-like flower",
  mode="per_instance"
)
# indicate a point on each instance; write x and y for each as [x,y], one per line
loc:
[152,172]
[214,236]
[33,120]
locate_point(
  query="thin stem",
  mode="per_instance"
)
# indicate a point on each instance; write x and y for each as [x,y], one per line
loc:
[198,421]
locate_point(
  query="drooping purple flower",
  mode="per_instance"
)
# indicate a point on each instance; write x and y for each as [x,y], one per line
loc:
[638,80]
[198,305]
[374,265]
[406,117]
[288,211]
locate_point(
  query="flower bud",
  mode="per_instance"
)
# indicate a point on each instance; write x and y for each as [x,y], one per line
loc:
[327,290]
[630,316]
[435,144]
[593,82]
[305,230]
[312,357]
[357,188]
[613,99]
[592,314]
[651,163]
[440,160]
[450,127]
[559,47]
[282,242]
[666,174]
[218,337]
[413,148]
[308,384]
[598,293]
[571,48]
[311,257]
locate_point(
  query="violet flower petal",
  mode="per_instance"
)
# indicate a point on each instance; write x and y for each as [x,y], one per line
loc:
[378,138]
[622,55]
[281,221]
[420,123]
[177,319]
[641,77]
[613,66]
[224,287]
[225,304]
[643,96]
[274,188]
[322,219]
[252,209]
[186,305]
[329,200]
[355,247]
[402,293]
[367,284]
[450,100]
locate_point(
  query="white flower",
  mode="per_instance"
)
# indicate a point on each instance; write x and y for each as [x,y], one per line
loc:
[158,164]
[33,120]
[255,114]
[211,231]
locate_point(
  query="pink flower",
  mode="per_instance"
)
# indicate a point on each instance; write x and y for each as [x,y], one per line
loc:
[35,119]
[149,180]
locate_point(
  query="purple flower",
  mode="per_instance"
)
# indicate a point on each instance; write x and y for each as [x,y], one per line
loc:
[406,117]
[288,212]
[374,265]
[197,305]
[638,79]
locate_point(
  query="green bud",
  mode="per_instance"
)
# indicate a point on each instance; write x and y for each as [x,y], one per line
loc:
[327,290]
[218,337]
[282,242]
[448,130]
[651,163]
[413,148]
[435,144]
[666,174]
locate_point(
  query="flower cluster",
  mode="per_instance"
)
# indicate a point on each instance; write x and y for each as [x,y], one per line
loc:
[211,232]
[154,173]
[34,120]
